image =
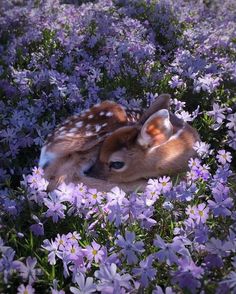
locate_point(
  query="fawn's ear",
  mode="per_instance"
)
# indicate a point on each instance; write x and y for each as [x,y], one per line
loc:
[162,102]
[156,130]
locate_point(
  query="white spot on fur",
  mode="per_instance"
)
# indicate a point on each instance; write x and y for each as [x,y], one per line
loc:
[104,125]
[109,114]
[102,113]
[74,130]
[98,128]
[89,134]
[79,124]
[90,116]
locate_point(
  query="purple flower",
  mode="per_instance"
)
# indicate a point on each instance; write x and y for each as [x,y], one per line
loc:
[221,205]
[176,82]
[146,272]
[218,247]
[52,247]
[54,288]
[95,197]
[130,248]
[94,252]
[28,289]
[202,148]
[206,83]
[65,192]
[115,197]
[232,139]
[37,229]
[165,183]
[198,171]
[201,233]
[7,263]
[232,121]
[85,286]
[145,218]
[28,271]
[72,251]
[230,281]
[111,281]
[115,214]
[55,207]
[188,274]
[218,115]
[224,157]
[213,261]
[198,213]
[168,251]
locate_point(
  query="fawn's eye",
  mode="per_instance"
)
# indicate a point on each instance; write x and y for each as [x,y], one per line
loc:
[116,164]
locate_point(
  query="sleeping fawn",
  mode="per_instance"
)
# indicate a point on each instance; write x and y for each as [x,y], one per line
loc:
[108,146]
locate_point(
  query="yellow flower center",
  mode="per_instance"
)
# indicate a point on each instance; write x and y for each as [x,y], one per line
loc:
[200,213]
[72,250]
[26,292]
[95,196]
[164,184]
[192,211]
[94,252]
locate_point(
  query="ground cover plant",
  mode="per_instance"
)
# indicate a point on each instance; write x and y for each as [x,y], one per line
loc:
[56,59]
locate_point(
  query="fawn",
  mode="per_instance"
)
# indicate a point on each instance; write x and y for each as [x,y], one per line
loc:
[109,146]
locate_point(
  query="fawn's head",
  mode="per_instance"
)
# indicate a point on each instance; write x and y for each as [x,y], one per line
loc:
[159,144]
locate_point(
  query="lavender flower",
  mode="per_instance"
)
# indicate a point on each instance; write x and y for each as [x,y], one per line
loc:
[130,248]
[55,208]
[52,247]
[168,251]
[230,281]
[86,286]
[188,274]
[146,272]
[28,289]
[111,281]
[223,157]
[221,206]
[27,271]
[218,115]
[94,252]
[198,213]
[202,148]
[7,263]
